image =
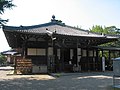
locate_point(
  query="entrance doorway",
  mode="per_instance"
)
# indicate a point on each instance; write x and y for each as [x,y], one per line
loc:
[67,61]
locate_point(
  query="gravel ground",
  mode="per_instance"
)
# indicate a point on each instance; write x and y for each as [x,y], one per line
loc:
[65,81]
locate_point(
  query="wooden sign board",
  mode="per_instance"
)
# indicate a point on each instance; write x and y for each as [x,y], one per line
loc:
[24,66]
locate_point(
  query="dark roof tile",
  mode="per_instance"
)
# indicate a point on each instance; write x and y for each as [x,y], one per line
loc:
[56,27]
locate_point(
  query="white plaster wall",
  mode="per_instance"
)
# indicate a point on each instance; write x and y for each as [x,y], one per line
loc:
[34,51]
[58,53]
[50,51]
[41,52]
[79,51]
[90,53]
[84,52]
[94,52]
[71,53]
[31,51]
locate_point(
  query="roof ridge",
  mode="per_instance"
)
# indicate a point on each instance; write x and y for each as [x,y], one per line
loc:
[33,26]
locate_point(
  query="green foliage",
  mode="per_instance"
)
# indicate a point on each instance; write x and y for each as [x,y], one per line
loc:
[111,30]
[2,59]
[97,29]
[5,4]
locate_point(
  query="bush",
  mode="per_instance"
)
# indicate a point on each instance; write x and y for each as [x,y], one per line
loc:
[2,59]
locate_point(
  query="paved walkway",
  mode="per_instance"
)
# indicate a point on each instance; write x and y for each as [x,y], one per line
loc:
[7,68]
[65,81]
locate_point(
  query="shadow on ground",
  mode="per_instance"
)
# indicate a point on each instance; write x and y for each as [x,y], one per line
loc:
[80,81]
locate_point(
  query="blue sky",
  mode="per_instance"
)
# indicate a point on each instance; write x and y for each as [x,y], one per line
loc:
[82,13]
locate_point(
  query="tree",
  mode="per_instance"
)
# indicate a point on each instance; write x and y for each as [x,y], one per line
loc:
[111,30]
[97,28]
[5,4]
[2,59]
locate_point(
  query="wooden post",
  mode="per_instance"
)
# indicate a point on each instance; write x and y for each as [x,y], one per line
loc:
[77,64]
[62,59]
[23,50]
[47,58]
[15,62]
[109,57]
[88,63]
[15,65]
[97,58]
[103,61]
[119,52]
[94,63]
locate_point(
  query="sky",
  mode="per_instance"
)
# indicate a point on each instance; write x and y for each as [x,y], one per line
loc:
[81,13]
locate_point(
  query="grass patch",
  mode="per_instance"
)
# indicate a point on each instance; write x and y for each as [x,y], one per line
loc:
[58,75]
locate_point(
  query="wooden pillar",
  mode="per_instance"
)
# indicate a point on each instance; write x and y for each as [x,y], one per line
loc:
[24,49]
[119,52]
[94,61]
[75,56]
[24,46]
[24,39]
[97,53]
[81,63]
[103,61]
[58,60]
[97,59]
[77,53]
[88,63]
[15,61]
[62,59]
[109,57]
[47,58]
[93,53]
[55,59]
[53,56]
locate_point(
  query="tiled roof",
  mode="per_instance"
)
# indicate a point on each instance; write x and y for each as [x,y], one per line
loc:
[16,35]
[9,52]
[53,26]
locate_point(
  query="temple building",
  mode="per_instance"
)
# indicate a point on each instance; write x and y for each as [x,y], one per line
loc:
[56,47]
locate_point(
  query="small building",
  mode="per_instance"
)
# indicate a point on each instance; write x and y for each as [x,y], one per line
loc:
[57,47]
[10,55]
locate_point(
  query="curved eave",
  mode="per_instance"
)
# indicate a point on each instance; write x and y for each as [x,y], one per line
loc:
[77,36]
[86,39]
[23,32]
[14,37]
[31,27]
